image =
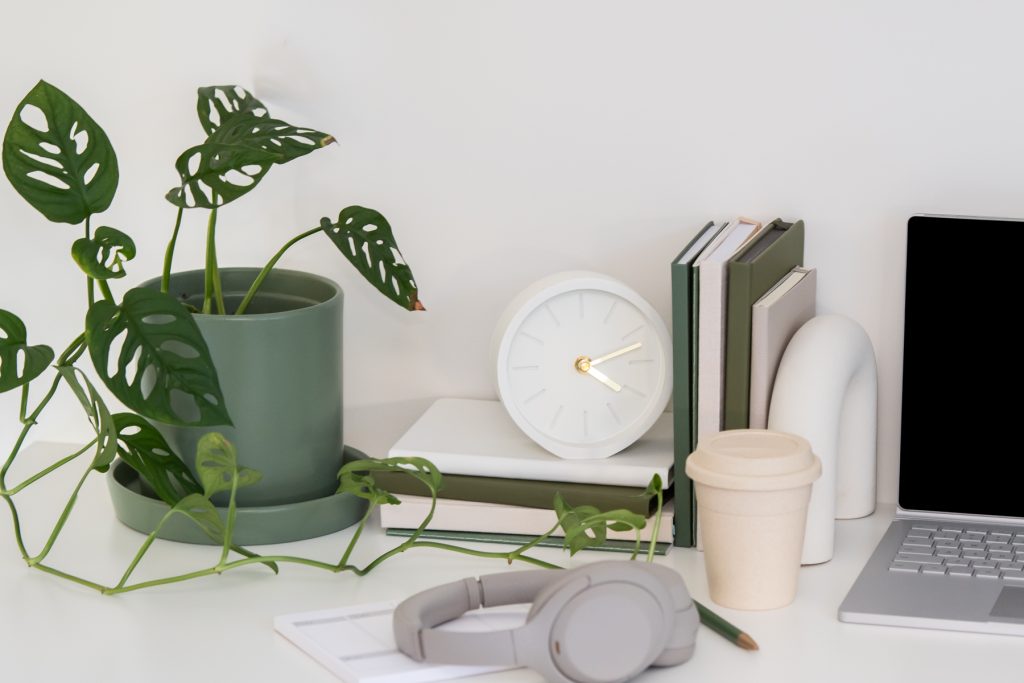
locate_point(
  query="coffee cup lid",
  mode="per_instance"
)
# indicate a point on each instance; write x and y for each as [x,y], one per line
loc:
[753,460]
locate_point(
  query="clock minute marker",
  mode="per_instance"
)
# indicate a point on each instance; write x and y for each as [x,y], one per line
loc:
[632,332]
[641,360]
[526,367]
[581,305]
[608,315]
[585,430]
[554,318]
[554,418]
[533,397]
[615,415]
[532,338]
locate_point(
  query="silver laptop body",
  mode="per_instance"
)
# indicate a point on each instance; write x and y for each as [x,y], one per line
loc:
[954,557]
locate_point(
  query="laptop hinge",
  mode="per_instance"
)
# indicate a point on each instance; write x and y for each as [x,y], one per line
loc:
[956,517]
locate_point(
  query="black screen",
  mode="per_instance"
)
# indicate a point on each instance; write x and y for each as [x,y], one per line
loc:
[961,439]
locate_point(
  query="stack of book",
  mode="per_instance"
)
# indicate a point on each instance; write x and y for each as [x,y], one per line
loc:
[739,293]
[498,485]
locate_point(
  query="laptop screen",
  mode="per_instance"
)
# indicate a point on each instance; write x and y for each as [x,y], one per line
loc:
[962,444]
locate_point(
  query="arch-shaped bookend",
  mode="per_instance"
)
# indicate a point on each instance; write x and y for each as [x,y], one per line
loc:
[826,391]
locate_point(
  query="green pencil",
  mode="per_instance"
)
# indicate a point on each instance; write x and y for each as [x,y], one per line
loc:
[724,628]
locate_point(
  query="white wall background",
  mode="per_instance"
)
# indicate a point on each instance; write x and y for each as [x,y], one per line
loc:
[508,140]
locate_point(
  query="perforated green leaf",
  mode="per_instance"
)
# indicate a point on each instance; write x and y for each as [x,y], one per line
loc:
[58,158]
[98,413]
[218,104]
[144,449]
[586,527]
[150,354]
[217,463]
[19,362]
[103,256]
[365,238]
[356,477]
[214,174]
[242,143]
[201,511]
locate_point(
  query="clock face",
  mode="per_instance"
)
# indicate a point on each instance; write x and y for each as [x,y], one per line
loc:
[584,365]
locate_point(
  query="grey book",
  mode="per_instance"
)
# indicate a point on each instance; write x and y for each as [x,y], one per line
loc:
[775,318]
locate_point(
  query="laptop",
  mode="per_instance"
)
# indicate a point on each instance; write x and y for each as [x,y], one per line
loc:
[954,557]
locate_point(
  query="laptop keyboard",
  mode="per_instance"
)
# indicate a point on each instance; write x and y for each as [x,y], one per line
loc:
[951,550]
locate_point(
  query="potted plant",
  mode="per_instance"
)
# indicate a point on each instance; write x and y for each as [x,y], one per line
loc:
[253,352]
[183,351]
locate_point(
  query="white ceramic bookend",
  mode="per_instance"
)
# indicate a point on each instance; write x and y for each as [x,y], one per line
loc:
[826,391]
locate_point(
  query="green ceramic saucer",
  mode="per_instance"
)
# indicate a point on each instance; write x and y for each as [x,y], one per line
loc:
[137,507]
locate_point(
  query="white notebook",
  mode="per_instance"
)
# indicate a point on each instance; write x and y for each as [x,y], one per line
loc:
[474,437]
[712,294]
[357,643]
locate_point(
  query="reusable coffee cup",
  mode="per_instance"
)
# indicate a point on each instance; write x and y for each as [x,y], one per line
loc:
[752,488]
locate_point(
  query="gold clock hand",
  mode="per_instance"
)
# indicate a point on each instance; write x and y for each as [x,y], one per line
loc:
[604,379]
[616,354]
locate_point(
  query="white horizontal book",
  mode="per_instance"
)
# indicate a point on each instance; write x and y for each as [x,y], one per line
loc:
[357,644]
[464,515]
[711,315]
[476,437]
[775,318]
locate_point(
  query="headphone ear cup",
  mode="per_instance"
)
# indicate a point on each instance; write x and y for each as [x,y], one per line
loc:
[545,594]
[608,633]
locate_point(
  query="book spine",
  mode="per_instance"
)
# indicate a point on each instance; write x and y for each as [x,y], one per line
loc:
[681,400]
[737,348]
[521,492]
[747,282]
[710,351]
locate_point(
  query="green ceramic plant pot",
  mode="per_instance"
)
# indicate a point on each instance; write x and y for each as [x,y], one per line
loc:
[279,367]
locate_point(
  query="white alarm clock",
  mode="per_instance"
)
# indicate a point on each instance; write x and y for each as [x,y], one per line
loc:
[584,364]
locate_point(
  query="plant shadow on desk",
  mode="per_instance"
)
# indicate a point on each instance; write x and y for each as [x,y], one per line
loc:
[147,348]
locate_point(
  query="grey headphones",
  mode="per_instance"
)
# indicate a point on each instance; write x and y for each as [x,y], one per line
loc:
[601,623]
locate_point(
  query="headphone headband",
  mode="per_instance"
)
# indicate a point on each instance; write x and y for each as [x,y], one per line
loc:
[415,618]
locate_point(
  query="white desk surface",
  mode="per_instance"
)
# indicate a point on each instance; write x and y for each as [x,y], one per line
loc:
[219,628]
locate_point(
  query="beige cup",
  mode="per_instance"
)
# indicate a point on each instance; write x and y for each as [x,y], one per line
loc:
[752,488]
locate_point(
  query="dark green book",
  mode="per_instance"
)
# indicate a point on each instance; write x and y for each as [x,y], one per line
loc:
[612,546]
[524,492]
[684,395]
[777,249]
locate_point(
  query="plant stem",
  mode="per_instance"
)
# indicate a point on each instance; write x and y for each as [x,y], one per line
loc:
[32,561]
[212,281]
[42,473]
[91,292]
[70,355]
[142,550]
[71,577]
[229,528]
[165,280]
[105,289]
[27,426]
[355,537]
[24,403]
[17,527]
[270,266]
[492,555]
[655,530]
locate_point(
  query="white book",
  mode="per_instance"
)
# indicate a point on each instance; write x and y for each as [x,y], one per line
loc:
[357,643]
[476,437]
[775,318]
[711,314]
[491,518]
